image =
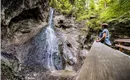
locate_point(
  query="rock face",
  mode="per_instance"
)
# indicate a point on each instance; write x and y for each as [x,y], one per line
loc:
[69,33]
[23,37]
[15,10]
[9,67]
[120,28]
[22,19]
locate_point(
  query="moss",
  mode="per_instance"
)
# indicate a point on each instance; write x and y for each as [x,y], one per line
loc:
[7,73]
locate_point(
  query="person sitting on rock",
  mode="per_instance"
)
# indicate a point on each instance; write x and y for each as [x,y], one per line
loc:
[104,35]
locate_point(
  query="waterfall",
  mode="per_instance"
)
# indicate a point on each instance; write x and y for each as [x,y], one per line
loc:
[51,44]
[45,50]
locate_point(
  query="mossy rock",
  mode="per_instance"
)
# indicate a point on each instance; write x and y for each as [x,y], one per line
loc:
[9,67]
[7,73]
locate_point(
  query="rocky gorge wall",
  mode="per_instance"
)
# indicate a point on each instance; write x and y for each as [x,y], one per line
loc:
[22,21]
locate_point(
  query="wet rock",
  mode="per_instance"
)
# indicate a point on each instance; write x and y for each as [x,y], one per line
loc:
[67,56]
[83,53]
[22,23]
[57,75]
[69,36]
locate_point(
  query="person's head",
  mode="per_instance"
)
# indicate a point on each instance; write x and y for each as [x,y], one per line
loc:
[104,25]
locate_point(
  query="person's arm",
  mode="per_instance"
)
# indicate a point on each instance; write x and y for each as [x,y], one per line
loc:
[103,37]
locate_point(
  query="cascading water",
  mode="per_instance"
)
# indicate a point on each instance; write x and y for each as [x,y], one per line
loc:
[51,43]
[45,50]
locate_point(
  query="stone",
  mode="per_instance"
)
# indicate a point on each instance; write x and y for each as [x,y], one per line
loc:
[9,67]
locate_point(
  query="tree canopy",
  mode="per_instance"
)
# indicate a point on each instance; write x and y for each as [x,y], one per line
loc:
[94,11]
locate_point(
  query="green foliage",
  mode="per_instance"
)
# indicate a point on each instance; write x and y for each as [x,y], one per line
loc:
[116,9]
[94,12]
[63,6]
